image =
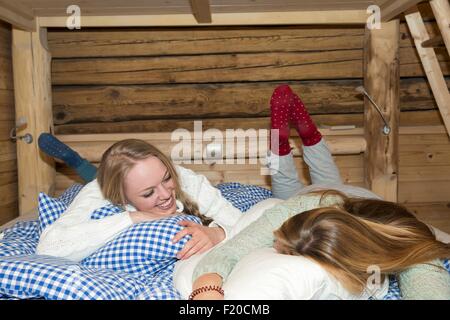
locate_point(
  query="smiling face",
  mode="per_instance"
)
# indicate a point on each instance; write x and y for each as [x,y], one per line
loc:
[149,187]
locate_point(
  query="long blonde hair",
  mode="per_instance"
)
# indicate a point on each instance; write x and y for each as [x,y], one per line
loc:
[348,243]
[118,160]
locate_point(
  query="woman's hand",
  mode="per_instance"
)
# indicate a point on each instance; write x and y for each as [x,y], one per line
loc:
[203,238]
[208,279]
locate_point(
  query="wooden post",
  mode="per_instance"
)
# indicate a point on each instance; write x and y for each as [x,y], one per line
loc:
[430,64]
[381,81]
[32,90]
[441,10]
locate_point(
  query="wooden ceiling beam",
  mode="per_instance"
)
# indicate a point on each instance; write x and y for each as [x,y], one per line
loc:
[17,15]
[355,17]
[201,10]
[393,8]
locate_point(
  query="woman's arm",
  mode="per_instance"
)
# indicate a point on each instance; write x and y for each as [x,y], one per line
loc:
[207,281]
[75,235]
[425,282]
[258,234]
[209,199]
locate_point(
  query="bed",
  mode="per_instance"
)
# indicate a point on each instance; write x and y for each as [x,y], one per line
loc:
[377,153]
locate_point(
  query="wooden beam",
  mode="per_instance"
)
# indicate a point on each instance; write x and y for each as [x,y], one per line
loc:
[32,86]
[392,8]
[201,10]
[441,10]
[357,17]
[382,81]
[17,15]
[92,146]
[434,42]
[431,65]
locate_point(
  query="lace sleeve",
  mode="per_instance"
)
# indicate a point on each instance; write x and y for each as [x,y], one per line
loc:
[426,281]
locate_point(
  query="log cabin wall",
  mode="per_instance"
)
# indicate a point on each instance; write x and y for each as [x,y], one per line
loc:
[8,164]
[152,80]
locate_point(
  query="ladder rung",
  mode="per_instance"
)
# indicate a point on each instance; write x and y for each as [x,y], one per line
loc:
[433,42]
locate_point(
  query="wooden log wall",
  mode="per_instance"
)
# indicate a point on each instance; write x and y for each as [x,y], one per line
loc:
[161,79]
[8,164]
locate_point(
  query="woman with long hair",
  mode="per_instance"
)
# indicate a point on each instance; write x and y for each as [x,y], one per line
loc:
[345,231]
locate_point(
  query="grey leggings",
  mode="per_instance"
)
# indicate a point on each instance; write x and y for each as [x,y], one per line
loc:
[322,170]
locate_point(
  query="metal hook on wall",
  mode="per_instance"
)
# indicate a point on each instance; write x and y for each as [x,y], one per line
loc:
[386,127]
[21,124]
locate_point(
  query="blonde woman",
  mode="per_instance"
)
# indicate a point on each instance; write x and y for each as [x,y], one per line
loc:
[140,178]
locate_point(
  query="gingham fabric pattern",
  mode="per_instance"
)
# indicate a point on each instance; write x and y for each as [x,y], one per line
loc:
[22,238]
[138,264]
[70,193]
[105,211]
[50,209]
[145,248]
[394,289]
[141,257]
[243,196]
[34,276]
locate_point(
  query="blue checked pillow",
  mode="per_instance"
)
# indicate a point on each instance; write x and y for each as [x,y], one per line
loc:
[243,196]
[144,248]
[50,209]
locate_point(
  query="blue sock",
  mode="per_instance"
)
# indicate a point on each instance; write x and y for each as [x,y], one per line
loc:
[49,144]
[87,171]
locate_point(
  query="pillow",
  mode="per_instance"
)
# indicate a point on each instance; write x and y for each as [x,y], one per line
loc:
[266,274]
[243,196]
[50,209]
[184,269]
[143,248]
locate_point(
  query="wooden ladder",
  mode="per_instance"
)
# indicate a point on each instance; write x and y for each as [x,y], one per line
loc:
[441,11]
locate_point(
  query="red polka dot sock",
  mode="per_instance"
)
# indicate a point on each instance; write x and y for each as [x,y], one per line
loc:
[279,119]
[302,121]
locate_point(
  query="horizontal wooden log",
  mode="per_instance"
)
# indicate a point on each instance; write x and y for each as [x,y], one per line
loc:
[89,43]
[175,41]
[5,129]
[6,80]
[208,68]
[407,118]
[8,193]
[247,146]
[7,166]
[333,64]
[8,177]
[126,103]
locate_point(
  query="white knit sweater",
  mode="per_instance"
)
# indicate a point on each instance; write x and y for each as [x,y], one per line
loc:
[75,235]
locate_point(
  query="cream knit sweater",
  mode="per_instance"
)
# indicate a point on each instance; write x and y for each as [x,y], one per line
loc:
[75,235]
